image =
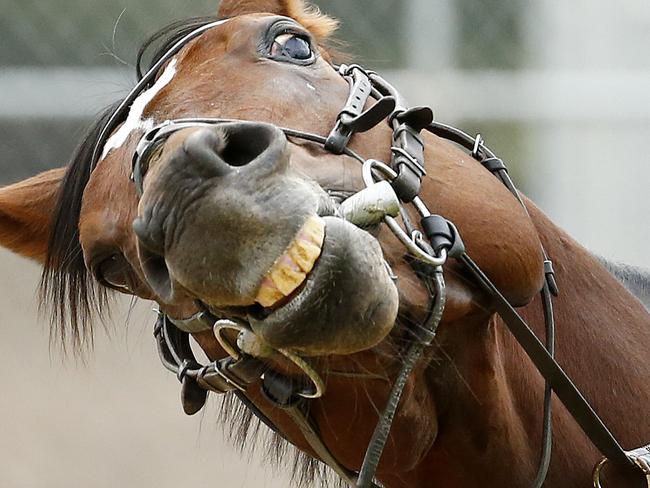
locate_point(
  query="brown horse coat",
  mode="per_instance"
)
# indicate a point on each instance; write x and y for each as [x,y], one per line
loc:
[471,413]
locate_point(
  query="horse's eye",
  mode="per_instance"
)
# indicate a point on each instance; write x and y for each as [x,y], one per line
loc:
[291,46]
[114,272]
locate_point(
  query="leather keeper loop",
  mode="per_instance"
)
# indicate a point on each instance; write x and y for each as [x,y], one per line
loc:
[494,165]
[442,234]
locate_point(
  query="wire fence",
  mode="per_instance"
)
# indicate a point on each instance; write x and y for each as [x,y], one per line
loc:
[39,127]
[547,83]
[107,32]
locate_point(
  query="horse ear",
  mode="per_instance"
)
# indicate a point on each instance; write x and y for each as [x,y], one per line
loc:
[25,212]
[319,24]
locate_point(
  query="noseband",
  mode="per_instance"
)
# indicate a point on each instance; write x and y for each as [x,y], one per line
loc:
[389,187]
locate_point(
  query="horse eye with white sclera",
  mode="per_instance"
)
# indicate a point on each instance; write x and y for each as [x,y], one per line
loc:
[291,46]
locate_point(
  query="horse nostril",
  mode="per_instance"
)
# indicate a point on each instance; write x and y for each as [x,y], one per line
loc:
[246,142]
[157,274]
[216,151]
[204,148]
[153,262]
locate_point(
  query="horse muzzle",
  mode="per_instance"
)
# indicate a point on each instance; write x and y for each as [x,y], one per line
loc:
[225,221]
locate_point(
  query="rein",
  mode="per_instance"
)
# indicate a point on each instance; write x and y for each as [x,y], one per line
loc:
[388,188]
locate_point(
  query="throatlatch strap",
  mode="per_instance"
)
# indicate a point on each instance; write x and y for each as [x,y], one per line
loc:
[310,433]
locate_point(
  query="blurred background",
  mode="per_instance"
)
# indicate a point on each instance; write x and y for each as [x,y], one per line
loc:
[561,90]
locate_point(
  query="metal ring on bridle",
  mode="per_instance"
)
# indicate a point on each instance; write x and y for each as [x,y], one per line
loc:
[383,168]
[413,247]
[597,472]
[226,324]
[304,366]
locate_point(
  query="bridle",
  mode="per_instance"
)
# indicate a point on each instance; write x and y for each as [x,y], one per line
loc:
[389,187]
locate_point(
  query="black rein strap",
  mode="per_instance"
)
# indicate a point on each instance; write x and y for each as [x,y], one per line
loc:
[542,358]
[562,385]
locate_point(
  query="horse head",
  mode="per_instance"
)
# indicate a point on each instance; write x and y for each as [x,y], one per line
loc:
[243,220]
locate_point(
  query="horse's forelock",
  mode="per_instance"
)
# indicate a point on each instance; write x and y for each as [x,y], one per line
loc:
[320,25]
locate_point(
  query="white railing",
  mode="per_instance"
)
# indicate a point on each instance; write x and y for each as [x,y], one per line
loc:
[587,156]
[528,96]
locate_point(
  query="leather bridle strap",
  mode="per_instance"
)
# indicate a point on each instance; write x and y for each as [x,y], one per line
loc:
[407,160]
[542,357]
[309,431]
[123,108]
[564,388]
[547,416]
[228,376]
[495,165]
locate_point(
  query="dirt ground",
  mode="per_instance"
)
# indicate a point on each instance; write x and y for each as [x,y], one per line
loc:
[115,421]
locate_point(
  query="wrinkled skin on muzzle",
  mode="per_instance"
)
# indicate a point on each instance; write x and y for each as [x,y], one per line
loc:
[225,220]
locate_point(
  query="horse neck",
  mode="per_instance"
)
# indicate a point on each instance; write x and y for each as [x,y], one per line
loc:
[595,314]
[494,398]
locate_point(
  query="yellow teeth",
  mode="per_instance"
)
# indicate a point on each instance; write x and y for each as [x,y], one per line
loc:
[268,294]
[290,270]
[304,254]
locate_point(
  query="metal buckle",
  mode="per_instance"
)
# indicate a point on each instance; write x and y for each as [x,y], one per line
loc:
[640,457]
[478,144]
[221,325]
[414,163]
[407,157]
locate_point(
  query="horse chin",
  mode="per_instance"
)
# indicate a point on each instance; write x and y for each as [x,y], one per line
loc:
[348,302]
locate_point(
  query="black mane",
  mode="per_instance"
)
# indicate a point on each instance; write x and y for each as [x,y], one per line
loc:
[636,280]
[67,287]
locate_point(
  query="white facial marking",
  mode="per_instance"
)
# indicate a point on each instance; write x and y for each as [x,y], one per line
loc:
[311,87]
[134,120]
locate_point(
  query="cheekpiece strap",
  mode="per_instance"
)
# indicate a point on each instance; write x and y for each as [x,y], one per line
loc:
[199,322]
[408,150]
[354,117]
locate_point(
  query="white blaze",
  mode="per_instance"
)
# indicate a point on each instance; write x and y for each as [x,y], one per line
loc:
[134,120]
